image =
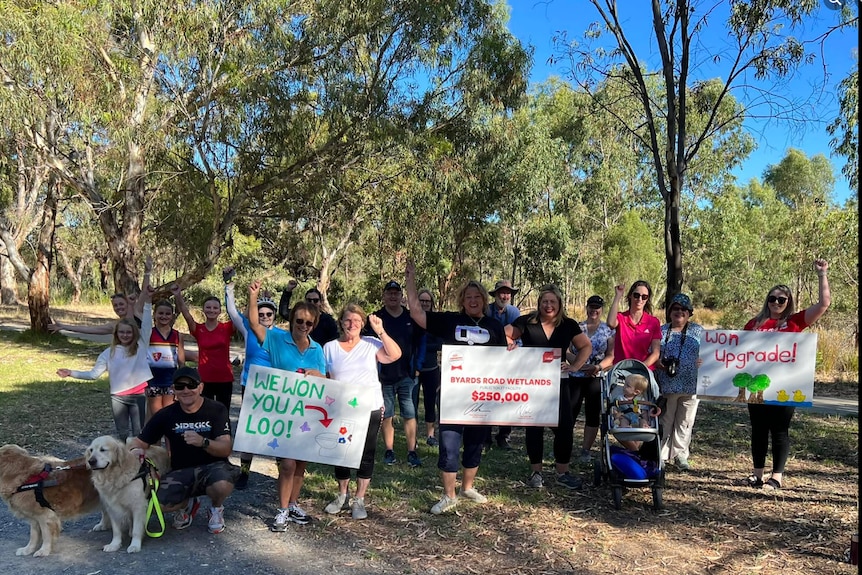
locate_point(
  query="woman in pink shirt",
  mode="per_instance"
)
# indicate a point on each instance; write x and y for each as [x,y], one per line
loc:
[637,331]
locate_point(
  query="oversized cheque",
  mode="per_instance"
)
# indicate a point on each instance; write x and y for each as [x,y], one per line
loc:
[299,416]
[482,385]
[757,367]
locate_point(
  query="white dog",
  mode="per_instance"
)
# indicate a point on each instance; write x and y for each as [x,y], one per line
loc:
[123,490]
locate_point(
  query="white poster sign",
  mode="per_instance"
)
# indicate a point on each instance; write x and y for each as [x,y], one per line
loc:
[757,367]
[299,416]
[482,385]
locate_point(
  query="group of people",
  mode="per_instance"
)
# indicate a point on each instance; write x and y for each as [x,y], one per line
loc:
[154,396]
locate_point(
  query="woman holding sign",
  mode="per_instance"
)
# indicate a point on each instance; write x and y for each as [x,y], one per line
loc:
[353,358]
[779,314]
[470,326]
[290,351]
[550,327]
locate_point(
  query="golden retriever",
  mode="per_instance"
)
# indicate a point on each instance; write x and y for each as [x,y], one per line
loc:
[124,491]
[73,495]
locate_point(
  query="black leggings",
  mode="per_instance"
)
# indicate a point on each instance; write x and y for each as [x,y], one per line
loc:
[563,433]
[429,381]
[366,466]
[587,390]
[765,420]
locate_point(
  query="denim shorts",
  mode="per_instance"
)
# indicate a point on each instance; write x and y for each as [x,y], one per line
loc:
[403,389]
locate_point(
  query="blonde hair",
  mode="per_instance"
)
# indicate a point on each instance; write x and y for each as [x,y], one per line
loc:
[351,307]
[637,381]
[132,348]
[473,284]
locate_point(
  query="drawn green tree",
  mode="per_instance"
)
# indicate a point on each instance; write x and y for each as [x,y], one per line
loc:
[757,386]
[741,381]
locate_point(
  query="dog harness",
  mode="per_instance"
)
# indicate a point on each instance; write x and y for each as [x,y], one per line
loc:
[37,483]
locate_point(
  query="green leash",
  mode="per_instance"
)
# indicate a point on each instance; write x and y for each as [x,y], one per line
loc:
[154,505]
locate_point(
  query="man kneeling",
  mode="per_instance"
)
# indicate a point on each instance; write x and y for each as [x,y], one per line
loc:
[197,430]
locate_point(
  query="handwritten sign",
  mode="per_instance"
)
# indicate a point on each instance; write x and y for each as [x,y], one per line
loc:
[757,367]
[494,386]
[299,416]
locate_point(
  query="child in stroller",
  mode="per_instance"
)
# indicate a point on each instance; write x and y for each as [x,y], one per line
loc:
[628,408]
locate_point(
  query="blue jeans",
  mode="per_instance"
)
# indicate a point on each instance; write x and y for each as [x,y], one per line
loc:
[403,391]
[126,410]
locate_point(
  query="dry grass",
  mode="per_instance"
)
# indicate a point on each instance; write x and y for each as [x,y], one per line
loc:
[710,524]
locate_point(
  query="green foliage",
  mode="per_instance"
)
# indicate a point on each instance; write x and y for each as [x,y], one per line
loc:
[845,128]
[632,253]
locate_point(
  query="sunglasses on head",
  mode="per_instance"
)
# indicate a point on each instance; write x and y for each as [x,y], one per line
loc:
[640,296]
[777,298]
[306,322]
[185,384]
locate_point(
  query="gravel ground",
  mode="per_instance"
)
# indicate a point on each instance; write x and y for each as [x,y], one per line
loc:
[245,547]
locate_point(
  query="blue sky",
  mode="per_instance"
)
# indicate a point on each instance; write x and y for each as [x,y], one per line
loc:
[536,22]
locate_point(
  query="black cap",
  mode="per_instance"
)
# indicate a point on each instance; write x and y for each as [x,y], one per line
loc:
[186,373]
[595,301]
[392,284]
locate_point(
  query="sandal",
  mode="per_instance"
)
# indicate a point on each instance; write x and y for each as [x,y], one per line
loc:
[772,484]
[754,481]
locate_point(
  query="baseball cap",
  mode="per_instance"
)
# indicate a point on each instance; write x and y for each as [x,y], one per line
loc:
[186,373]
[682,300]
[392,284]
[595,301]
[504,284]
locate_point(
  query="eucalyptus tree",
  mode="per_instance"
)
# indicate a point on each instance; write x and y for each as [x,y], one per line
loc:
[757,51]
[845,128]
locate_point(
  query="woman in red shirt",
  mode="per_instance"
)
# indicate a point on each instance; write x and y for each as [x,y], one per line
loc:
[779,314]
[213,339]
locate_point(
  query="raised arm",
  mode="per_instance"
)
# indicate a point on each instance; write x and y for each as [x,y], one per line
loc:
[253,321]
[138,308]
[817,310]
[284,302]
[184,308]
[613,321]
[391,351]
[416,311]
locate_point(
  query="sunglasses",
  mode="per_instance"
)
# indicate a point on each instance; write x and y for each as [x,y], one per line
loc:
[181,385]
[265,314]
[780,299]
[640,296]
[312,300]
[305,322]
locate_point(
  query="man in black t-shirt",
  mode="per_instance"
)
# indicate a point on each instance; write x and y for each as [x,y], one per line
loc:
[197,430]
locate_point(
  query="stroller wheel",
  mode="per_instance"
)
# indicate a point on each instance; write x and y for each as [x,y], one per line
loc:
[597,473]
[618,497]
[657,502]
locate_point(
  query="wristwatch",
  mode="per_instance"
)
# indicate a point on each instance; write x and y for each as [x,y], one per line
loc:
[206,443]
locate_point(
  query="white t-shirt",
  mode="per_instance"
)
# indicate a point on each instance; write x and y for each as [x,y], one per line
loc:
[358,366]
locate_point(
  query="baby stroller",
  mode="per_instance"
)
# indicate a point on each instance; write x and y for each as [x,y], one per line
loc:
[618,466]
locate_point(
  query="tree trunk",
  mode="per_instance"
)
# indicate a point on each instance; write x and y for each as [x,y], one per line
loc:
[39,286]
[72,274]
[8,283]
[672,240]
[104,272]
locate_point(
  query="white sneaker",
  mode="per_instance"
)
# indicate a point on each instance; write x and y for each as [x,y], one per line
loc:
[281,521]
[216,519]
[339,504]
[473,495]
[444,504]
